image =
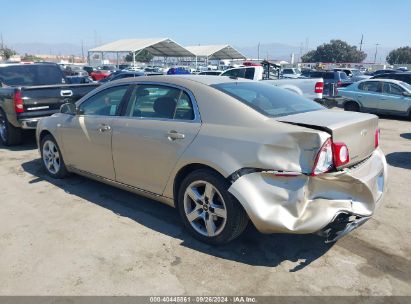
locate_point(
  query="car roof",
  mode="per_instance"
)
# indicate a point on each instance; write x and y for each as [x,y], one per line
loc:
[382,79]
[184,80]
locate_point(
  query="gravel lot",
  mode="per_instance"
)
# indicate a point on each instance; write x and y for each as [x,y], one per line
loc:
[80,237]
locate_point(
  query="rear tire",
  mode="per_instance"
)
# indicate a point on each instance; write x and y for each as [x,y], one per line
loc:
[52,159]
[9,134]
[351,106]
[209,212]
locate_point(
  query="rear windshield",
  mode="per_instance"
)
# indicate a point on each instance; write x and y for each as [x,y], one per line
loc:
[31,75]
[267,99]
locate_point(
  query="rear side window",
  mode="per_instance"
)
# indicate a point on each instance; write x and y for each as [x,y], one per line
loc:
[391,88]
[249,74]
[329,75]
[370,86]
[268,99]
[157,101]
[31,75]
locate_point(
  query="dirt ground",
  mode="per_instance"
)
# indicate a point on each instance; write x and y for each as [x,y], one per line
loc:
[80,237]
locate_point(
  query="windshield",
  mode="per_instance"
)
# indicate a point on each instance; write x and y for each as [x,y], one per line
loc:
[267,99]
[31,75]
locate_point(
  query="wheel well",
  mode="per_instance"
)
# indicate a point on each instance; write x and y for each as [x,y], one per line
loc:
[43,134]
[186,170]
[352,101]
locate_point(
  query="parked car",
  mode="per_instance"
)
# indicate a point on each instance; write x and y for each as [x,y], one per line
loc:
[74,70]
[309,88]
[386,71]
[404,76]
[282,161]
[385,96]
[353,74]
[291,73]
[333,80]
[97,75]
[29,92]
[126,74]
[178,71]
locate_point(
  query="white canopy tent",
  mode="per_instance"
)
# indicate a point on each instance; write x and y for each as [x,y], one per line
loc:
[164,47]
[219,52]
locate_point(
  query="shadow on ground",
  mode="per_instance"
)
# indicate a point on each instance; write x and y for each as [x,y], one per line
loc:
[251,248]
[28,142]
[406,135]
[399,159]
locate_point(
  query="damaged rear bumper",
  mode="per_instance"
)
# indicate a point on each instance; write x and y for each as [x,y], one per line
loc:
[331,204]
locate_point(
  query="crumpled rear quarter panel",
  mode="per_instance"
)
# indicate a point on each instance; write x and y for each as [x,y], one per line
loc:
[306,204]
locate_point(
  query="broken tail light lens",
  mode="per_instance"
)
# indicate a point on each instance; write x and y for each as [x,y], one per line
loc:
[324,160]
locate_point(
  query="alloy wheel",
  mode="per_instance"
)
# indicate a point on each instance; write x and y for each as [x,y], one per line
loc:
[205,208]
[51,157]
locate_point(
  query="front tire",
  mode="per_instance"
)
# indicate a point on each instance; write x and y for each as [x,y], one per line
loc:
[9,134]
[52,159]
[210,213]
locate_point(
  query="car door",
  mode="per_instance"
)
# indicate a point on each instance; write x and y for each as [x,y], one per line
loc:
[160,123]
[392,99]
[86,137]
[369,94]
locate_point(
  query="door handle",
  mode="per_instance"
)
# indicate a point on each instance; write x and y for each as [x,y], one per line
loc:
[66,93]
[104,128]
[173,135]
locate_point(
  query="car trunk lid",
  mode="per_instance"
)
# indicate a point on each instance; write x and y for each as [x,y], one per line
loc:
[356,130]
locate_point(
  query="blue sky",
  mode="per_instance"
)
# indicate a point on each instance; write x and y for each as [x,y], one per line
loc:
[240,23]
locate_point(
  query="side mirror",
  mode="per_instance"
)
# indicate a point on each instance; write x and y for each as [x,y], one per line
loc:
[68,108]
[406,94]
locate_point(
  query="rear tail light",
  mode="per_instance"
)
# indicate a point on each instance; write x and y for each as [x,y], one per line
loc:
[377,138]
[340,154]
[331,155]
[319,87]
[339,83]
[18,102]
[324,160]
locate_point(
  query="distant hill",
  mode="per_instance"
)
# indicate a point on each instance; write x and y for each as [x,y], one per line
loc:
[48,48]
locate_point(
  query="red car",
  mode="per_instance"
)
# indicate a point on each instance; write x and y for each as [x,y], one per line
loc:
[99,74]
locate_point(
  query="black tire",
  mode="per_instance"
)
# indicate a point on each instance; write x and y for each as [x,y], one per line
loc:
[9,134]
[351,106]
[62,171]
[236,218]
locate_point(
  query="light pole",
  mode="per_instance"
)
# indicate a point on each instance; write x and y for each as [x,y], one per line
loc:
[376,50]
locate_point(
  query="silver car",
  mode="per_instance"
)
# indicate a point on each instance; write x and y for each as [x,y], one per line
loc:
[385,96]
[223,151]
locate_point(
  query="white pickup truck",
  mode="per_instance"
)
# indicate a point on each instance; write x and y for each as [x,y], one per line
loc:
[311,88]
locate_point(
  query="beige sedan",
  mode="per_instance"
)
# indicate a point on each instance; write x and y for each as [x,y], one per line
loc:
[223,151]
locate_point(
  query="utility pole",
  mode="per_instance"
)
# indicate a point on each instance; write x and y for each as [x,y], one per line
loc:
[82,50]
[1,41]
[376,50]
[258,51]
[362,37]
